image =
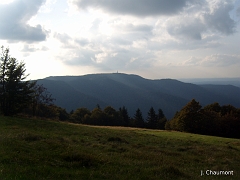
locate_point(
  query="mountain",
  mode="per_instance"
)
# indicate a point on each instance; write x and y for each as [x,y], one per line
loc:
[132,91]
[214,81]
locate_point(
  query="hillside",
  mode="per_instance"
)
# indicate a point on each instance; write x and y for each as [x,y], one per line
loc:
[134,92]
[215,81]
[40,149]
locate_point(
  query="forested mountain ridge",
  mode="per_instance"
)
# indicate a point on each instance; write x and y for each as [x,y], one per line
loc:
[214,81]
[132,91]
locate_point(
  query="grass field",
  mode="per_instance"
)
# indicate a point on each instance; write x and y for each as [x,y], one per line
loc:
[41,149]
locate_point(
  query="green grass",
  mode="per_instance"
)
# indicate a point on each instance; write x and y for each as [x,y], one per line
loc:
[41,149]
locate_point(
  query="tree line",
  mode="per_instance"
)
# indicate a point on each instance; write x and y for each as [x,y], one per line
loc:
[111,117]
[212,119]
[19,96]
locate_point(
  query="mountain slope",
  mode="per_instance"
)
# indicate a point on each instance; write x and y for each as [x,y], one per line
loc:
[214,81]
[68,97]
[134,92]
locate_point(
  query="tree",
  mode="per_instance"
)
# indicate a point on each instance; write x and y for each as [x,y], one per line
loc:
[160,114]
[161,119]
[138,120]
[213,107]
[62,114]
[97,117]
[213,119]
[124,114]
[78,115]
[15,92]
[189,117]
[41,97]
[112,117]
[152,119]
[110,111]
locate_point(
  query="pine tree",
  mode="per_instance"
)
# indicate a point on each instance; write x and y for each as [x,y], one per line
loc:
[152,119]
[15,92]
[124,114]
[138,119]
[161,119]
[160,114]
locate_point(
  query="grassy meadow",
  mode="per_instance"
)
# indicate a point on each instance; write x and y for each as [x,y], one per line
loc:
[42,149]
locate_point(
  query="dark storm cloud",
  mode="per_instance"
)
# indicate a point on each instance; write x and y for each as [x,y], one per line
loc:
[135,7]
[14,18]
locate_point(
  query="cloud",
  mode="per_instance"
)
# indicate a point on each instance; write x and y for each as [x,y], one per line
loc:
[197,21]
[69,42]
[79,57]
[135,7]
[238,11]
[215,60]
[220,60]
[192,61]
[14,18]
[132,43]
[218,18]
[103,54]
[82,41]
[63,38]
[186,27]
[32,48]
[135,28]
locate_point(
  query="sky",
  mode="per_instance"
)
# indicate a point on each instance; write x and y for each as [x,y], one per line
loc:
[152,38]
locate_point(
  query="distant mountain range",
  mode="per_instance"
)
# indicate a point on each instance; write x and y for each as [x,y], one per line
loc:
[133,91]
[215,81]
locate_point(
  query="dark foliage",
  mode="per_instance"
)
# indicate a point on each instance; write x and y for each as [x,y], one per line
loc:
[15,92]
[213,119]
[124,114]
[40,100]
[79,114]
[152,119]
[138,120]
[111,117]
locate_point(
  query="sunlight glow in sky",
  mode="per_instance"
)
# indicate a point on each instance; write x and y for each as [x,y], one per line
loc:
[155,38]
